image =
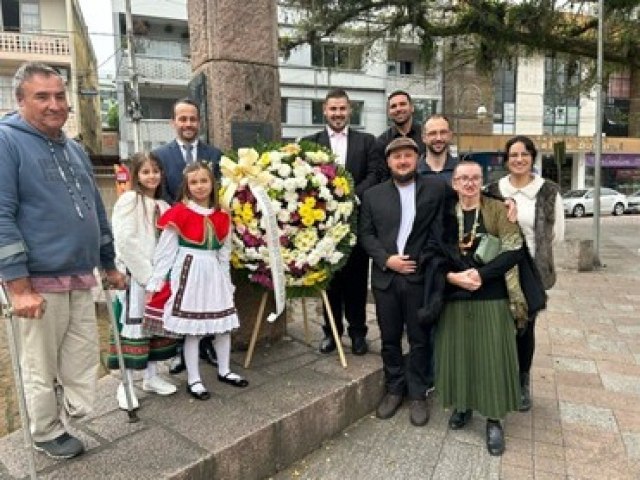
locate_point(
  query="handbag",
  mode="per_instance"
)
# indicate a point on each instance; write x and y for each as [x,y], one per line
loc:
[488,248]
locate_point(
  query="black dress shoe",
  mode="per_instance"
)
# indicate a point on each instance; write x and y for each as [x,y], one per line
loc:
[459,419]
[495,438]
[327,345]
[177,364]
[234,380]
[204,395]
[359,346]
[208,354]
[419,412]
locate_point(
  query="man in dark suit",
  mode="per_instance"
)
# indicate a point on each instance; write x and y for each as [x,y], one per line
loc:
[185,148]
[174,156]
[347,291]
[395,220]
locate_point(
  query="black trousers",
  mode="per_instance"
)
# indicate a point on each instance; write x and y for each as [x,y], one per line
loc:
[347,293]
[526,345]
[396,307]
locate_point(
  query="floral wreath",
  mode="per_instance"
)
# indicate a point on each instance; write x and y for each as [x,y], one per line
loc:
[313,199]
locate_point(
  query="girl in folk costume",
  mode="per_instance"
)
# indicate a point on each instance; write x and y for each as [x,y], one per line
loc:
[194,250]
[134,217]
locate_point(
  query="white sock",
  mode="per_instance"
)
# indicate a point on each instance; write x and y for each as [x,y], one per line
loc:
[151,370]
[192,359]
[222,345]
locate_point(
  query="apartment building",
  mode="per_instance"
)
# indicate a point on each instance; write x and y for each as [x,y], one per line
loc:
[52,32]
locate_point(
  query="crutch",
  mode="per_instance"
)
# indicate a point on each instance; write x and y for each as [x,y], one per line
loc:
[5,306]
[133,416]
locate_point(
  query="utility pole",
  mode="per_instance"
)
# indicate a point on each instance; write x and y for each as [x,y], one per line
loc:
[598,140]
[133,109]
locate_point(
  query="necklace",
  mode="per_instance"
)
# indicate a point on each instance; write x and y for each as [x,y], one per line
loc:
[461,235]
[72,182]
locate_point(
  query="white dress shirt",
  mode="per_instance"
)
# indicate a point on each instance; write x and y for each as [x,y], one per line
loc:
[338,142]
[408,212]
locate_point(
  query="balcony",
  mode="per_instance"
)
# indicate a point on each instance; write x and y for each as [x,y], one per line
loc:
[160,61]
[153,133]
[34,46]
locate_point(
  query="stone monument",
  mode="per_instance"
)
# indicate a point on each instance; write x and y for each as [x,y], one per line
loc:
[235,45]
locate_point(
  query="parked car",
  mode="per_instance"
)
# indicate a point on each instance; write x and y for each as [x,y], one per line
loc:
[580,202]
[633,205]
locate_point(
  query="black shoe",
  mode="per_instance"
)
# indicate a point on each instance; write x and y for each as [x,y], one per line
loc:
[525,393]
[234,380]
[460,418]
[388,406]
[64,446]
[207,352]
[204,395]
[177,364]
[327,345]
[495,438]
[419,412]
[359,346]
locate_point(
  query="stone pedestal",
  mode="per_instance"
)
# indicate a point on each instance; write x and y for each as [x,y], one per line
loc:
[235,45]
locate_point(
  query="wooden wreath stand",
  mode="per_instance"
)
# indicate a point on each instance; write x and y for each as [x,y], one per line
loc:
[260,318]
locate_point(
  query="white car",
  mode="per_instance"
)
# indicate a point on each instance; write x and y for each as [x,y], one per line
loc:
[580,202]
[633,205]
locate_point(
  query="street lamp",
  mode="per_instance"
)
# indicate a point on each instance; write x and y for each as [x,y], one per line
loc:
[481,111]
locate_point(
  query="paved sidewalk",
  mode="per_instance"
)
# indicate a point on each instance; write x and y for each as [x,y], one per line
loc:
[585,423]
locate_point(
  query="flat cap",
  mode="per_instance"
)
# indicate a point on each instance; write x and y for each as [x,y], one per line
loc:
[401,142]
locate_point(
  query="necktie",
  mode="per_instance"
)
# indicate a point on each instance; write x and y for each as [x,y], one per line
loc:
[188,156]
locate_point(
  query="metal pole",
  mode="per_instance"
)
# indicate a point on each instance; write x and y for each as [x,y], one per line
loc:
[126,380]
[598,140]
[5,305]
[134,107]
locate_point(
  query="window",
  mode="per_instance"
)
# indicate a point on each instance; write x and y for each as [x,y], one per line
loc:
[615,122]
[504,98]
[561,96]
[404,67]
[30,15]
[6,94]
[10,15]
[423,109]
[317,117]
[342,56]
[283,110]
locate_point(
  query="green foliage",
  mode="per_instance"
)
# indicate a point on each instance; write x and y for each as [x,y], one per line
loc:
[113,117]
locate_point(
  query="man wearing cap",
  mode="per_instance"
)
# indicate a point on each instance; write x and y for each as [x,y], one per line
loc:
[396,217]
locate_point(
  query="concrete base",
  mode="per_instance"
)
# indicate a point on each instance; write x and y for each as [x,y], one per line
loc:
[297,398]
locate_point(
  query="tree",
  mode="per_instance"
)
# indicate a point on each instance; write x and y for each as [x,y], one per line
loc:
[494,29]
[113,117]
[486,32]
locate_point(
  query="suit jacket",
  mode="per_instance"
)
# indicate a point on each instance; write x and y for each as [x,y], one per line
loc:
[363,160]
[380,215]
[172,160]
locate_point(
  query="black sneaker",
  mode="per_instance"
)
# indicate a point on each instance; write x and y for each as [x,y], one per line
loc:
[64,446]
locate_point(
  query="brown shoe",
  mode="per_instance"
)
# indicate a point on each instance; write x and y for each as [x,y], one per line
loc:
[388,406]
[419,412]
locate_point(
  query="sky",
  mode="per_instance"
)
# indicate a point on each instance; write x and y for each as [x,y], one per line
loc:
[98,17]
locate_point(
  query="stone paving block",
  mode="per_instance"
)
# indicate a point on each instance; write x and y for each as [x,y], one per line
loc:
[621,383]
[596,465]
[587,414]
[627,420]
[566,335]
[113,425]
[514,472]
[550,466]
[549,435]
[599,397]
[632,444]
[592,380]
[606,344]
[575,365]
[461,460]
[519,452]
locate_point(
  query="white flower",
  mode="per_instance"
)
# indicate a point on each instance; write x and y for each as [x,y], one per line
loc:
[284,216]
[275,157]
[284,170]
[325,193]
[276,184]
[291,184]
[344,209]
[332,205]
[335,257]
[317,157]
[313,258]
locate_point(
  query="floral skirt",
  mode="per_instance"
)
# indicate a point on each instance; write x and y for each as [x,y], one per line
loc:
[476,358]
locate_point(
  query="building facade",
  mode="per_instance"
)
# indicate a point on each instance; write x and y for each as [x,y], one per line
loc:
[52,32]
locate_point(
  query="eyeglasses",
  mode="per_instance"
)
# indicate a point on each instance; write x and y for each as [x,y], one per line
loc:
[467,179]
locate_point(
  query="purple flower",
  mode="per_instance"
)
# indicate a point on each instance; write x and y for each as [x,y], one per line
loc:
[329,171]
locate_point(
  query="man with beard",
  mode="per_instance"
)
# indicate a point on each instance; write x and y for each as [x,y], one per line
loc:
[437,161]
[357,152]
[174,157]
[395,220]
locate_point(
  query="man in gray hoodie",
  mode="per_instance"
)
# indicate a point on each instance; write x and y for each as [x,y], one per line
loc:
[53,233]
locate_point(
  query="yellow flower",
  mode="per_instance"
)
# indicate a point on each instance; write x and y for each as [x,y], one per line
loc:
[235,260]
[312,278]
[243,212]
[342,184]
[264,160]
[308,214]
[306,239]
[291,149]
